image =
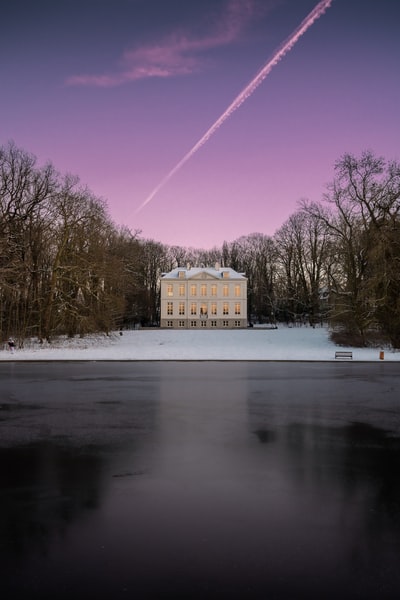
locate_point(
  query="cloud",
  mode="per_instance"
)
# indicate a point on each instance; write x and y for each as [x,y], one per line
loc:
[178,54]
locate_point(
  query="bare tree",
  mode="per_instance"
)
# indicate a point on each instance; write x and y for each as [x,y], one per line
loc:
[25,193]
[363,220]
[302,243]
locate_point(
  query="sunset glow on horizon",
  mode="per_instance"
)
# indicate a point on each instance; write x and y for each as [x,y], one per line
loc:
[120,93]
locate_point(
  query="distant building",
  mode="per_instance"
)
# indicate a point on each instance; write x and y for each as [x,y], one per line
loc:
[209,298]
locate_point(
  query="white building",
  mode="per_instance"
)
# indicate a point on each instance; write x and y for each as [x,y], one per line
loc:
[203,298]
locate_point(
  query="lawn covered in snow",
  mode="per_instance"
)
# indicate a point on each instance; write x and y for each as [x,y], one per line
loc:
[284,343]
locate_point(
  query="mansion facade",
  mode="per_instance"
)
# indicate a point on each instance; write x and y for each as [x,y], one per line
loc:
[203,298]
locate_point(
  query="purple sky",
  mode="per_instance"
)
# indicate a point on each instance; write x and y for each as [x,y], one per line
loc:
[118,91]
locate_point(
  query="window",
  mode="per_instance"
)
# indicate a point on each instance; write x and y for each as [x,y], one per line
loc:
[225,274]
[213,323]
[203,309]
[170,308]
[193,323]
[237,308]
[181,274]
[238,323]
[193,308]
[170,323]
[225,308]
[181,289]
[203,323]
[181,308]
[170,290]
[225,323]
[193,290]
[213,289]
[237,291]
[225,290]
[213,308]
[181,323]
[203,289]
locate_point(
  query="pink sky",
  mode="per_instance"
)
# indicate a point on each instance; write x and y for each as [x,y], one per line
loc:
[119,91]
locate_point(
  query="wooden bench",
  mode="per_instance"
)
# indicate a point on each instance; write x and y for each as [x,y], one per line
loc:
[344,354]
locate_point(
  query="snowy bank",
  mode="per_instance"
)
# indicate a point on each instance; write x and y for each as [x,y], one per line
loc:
[298,343]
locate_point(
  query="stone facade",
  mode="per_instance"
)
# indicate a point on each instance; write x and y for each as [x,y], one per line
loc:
[203,298]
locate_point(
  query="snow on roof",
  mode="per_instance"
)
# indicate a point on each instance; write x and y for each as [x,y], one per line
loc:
[192,272]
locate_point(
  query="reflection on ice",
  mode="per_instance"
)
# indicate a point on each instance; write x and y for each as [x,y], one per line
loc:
[200,479]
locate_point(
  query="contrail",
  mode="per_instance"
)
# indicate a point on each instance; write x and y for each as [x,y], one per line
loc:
[283,49]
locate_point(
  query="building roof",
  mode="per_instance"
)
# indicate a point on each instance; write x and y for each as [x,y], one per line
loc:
[196,272]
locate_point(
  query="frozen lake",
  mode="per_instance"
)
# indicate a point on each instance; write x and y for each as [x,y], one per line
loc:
[200,479]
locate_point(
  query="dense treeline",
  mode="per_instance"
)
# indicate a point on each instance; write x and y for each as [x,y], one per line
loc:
[66,268]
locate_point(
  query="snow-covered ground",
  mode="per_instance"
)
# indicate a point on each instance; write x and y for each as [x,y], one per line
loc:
[298,343]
